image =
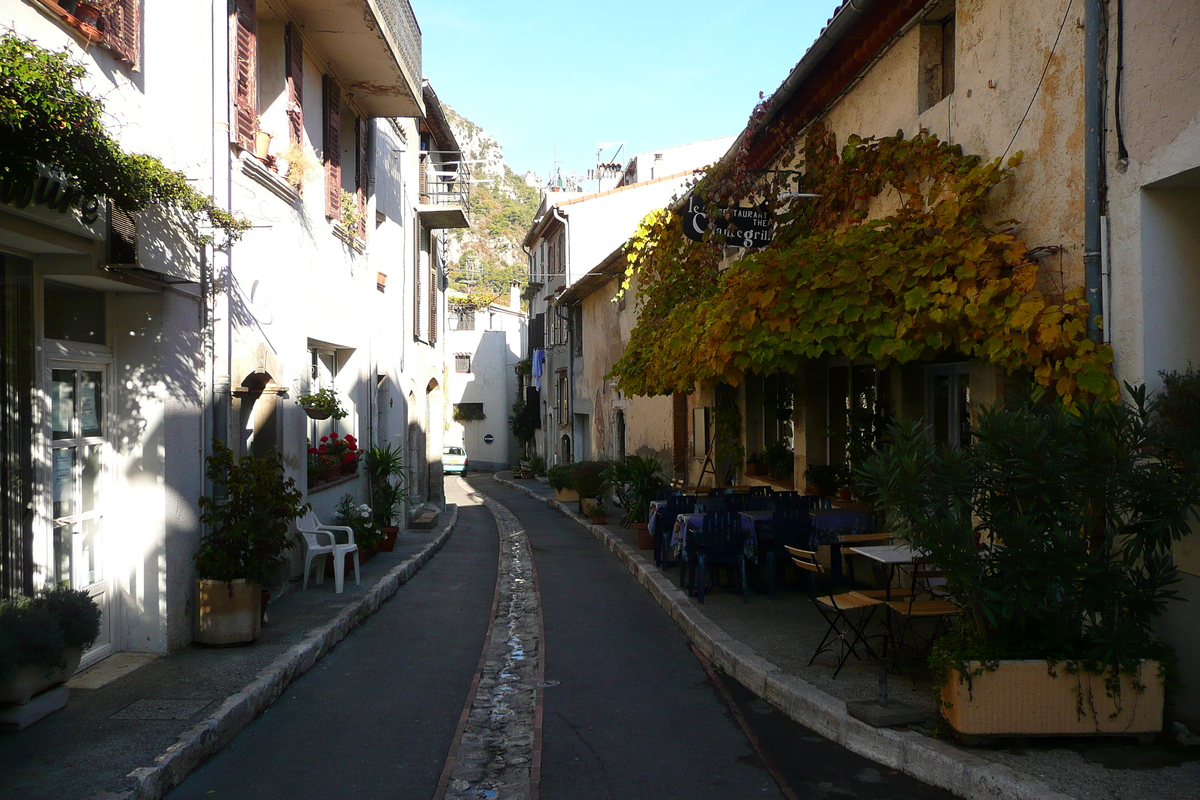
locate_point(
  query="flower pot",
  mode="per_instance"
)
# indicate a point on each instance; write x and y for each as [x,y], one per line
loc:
[262,144]
[29,679]
[566,495]
[586,504]
[388,542]
[87,13]
[644,539]
[1053,702]
[333,472]
[314,413]
[349,469]
[227,613]
[599,519]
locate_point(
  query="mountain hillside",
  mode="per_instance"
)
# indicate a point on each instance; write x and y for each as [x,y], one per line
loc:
[487,257]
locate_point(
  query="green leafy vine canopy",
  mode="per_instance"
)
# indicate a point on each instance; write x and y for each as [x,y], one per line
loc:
[47,119]
[894,260]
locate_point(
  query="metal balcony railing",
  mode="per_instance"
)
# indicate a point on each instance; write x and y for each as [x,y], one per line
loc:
[402,24]
[445,182]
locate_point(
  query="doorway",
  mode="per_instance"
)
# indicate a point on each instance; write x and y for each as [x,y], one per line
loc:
[78,459]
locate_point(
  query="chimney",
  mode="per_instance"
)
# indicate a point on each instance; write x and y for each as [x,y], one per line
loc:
[514,296]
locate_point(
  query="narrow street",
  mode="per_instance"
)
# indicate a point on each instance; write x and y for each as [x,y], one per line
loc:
[627,710]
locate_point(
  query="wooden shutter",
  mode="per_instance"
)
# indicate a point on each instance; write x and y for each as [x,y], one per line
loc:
[361,128]
[122,27]
[294,68]
[433,289]
[418,279]
[333,148]
[245,90]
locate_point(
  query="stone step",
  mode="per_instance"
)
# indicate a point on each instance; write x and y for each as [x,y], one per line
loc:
[426,521]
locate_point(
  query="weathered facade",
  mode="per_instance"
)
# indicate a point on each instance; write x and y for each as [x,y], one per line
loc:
[138,346]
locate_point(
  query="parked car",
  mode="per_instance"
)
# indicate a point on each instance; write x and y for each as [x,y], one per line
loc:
[454,459]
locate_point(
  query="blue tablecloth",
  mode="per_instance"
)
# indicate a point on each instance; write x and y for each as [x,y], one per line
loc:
[830,523]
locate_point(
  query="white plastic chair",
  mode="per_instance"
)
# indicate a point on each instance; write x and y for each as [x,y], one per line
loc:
[314,533]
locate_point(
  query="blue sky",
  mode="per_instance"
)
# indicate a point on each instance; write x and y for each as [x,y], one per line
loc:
[656,73]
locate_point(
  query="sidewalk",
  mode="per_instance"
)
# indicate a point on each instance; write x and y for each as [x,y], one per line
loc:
[136,724]
[766,645]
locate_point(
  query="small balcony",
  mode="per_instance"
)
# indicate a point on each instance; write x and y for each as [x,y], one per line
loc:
[374,46]
[445,190]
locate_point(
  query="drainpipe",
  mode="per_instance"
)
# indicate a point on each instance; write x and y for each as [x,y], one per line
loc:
[1093,167]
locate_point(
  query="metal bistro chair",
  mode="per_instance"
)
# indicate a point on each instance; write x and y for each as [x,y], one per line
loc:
[319,540]
[720,541]
[847,613]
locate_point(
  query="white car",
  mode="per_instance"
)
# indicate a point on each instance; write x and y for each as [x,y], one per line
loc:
[454,460]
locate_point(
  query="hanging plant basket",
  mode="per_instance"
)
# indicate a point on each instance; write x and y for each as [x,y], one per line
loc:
[316,414]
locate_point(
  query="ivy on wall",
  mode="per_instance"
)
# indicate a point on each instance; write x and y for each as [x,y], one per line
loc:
[48,120]
[895,260]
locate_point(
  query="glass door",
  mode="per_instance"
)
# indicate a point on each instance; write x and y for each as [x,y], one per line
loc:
[78,455]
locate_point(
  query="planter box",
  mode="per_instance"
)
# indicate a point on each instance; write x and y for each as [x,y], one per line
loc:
[227,613]
[1023,698]
[566,495]
[30,679]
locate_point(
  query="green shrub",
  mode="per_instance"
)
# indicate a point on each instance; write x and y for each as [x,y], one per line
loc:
[560,477]
[589,478]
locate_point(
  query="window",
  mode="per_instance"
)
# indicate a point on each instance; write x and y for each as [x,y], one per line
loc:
[119,27]
[561,266]
[948,404]
[936,55]
[466,412]
[462,362]
[560,396]
[294,73]
[559,321]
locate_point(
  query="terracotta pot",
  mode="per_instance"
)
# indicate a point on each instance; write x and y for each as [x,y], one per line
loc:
[599,519]
[1053,702]
[227,613]
[86,13]
[29,679]
[365,554]
[349,469]
[644,539]
[333,472]
[388,542]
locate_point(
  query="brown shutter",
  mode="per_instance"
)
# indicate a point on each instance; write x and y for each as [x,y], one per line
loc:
[361,128]
[245,92]
[333,148]
[122,26]
[294,66]
[418,279]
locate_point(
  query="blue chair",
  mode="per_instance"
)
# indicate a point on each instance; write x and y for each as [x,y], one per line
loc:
[759,491]
[720,541]
[790,527]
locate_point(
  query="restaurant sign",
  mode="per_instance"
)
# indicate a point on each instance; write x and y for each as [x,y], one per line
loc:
[741,226]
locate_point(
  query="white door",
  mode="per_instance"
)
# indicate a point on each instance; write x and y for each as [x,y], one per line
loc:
[78,454]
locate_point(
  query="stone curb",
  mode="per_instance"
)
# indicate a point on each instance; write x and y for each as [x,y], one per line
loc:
[240,709]
[929,760]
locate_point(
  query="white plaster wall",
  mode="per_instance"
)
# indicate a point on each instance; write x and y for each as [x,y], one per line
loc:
[495,346]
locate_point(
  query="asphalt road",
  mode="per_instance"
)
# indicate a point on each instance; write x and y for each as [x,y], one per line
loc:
[629,710]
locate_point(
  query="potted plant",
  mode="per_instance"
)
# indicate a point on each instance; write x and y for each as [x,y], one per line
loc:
[590,479]
[637,481]
[823,479]
[756,464]
[385,471]
[262,142]
[361,519]
[779,459]
[248,520]
[42,639]
[597,513]
[559,477]
[321,405]
[537,466]
[1054,530]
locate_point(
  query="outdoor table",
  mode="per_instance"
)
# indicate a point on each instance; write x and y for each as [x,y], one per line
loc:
[829,523]
[655,505]
[755,524]
[890,556]
[694,523]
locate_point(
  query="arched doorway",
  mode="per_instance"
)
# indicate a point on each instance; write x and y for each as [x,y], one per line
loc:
[433,440]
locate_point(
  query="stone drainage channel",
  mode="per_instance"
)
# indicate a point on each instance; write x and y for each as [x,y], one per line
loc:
[496,753]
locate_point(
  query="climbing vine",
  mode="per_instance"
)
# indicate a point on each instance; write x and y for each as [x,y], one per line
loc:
[47,121]
[895,260]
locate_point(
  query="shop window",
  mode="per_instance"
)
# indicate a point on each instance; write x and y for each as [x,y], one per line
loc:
[74,314]
[948,412]
[854,413]
[937,50]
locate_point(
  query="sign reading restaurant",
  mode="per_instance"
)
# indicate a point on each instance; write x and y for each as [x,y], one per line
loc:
[741,226]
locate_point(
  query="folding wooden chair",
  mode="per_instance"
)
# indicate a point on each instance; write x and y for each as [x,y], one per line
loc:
[924,602]
[848,613]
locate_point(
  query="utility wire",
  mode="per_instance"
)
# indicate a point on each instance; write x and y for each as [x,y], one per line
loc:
[1045,69]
